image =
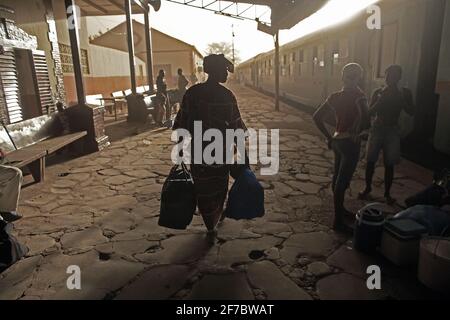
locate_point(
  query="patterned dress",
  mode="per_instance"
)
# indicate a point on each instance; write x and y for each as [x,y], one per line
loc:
[217,108]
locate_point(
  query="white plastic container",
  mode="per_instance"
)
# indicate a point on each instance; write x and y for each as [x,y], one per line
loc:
[434,264]
[400,241]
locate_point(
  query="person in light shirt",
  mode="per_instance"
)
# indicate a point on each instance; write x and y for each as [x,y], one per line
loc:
[10,184]
[349,107]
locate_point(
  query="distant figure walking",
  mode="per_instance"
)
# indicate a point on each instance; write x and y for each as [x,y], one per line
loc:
[161,97]
[386,105]
[216,107]
[349,106]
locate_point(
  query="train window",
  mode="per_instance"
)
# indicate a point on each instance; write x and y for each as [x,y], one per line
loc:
[388,47]
[344,48]
[301,56]
[321,55]
[336,58]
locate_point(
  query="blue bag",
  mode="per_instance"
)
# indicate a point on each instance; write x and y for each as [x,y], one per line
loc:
[246,198]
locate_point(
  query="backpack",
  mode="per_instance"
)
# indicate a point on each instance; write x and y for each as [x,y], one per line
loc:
[11,250]
[246,197]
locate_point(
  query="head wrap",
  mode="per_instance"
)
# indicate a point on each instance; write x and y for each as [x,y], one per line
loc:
[216,63]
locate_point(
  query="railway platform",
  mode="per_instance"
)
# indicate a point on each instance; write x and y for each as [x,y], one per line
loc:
[100,213]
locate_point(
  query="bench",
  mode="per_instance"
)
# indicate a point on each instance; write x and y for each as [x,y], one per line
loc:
[28,143]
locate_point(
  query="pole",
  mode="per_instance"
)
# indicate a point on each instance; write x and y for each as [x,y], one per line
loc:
[130,45]
[72,22]
[148,44]
[232,34]
[277,71]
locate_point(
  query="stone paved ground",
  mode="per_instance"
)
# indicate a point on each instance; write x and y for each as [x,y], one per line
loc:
[100,212]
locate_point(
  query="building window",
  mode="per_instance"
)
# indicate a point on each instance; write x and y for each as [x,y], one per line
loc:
[66,59]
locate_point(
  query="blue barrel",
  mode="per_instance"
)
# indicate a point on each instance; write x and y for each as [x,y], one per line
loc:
[368,228]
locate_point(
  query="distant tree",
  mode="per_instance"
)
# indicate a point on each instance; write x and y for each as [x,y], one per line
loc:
[226,48]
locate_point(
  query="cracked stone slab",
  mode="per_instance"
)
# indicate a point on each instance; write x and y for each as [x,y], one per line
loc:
[277,286]
[237,251]
[15,280]
[83,239]
[356,263]
[127,248]
[140,173]
[232,286]
[178,250]
[118,221]
[319,269]
[38,244]
[157,283]
[114,202]
[344,286]
[98,277]
[119,180]
[315,244]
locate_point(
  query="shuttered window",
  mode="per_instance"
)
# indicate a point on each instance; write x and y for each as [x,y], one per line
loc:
[43,82]
[10,96]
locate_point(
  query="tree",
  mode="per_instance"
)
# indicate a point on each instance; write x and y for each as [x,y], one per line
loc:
[226,48]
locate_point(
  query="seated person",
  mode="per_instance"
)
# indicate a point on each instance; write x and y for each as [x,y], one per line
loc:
[10,183]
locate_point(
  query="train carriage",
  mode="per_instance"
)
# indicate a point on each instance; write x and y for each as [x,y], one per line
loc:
[414,34]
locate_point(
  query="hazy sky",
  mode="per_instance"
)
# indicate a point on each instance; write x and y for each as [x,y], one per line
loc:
[201,27]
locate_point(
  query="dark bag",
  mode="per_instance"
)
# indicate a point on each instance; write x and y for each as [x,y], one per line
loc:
[246,198]
[434,195]
[178,201]
[237,169]
[11,250]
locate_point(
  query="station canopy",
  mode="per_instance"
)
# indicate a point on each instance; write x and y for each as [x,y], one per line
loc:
[275,14]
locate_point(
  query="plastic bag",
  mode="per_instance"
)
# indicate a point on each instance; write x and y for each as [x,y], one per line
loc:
[246,197]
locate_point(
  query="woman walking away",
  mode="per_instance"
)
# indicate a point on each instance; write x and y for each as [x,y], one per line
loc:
[349,106]
[216,107]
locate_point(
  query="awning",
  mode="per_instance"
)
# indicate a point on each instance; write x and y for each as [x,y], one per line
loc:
[284,13]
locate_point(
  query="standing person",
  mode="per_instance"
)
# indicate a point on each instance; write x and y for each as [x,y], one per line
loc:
[182,84]
[161,96]
[10,184]
[386,105]
[216,107]
[349,106]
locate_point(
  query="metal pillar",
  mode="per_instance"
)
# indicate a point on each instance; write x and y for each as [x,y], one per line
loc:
[130,42]
[72,21]
[148,45]
[277,71]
